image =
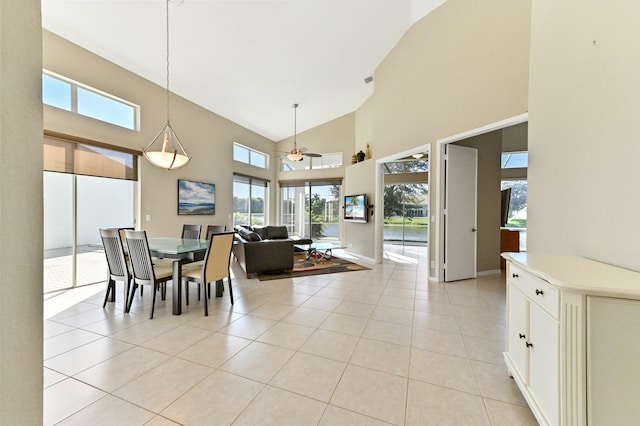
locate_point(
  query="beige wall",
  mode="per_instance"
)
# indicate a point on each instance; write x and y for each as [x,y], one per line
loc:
[488,219]
[206,136]
[334,136]
[360,238]
[462,66]
[20,213]
[515,138]
[584,148]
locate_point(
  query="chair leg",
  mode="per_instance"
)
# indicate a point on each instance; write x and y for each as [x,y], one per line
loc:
[127,289]
[133,293]
[153,303]
[230,289]
[186,291]
[110,285]
[198,284]
[206,301]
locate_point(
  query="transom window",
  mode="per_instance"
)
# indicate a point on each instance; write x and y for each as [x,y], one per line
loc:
[514,160]
[324,161]
[61,92]
[247,155]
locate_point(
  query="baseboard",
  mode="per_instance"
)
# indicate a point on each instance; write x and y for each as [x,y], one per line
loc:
[363,260]
[491,272]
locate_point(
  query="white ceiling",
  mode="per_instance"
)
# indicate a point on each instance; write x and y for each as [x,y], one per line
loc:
[247,60]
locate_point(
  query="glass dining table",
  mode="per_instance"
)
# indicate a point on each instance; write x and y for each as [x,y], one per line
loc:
[182,251]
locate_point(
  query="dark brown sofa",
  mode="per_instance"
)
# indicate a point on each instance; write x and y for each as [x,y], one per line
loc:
[265,248]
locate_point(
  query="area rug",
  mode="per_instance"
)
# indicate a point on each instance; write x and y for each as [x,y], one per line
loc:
[304,268]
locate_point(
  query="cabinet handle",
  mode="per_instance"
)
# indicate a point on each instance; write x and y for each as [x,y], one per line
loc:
[539,292]
[522,336]
[514,275]
[529,345]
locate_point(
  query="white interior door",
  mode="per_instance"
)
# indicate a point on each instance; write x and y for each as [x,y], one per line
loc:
[460,212]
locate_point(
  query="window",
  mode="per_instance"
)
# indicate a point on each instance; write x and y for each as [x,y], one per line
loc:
[250,156]
[406,166]
[325,161]
[249,200]
[63,93]
[312,208]
[514,160]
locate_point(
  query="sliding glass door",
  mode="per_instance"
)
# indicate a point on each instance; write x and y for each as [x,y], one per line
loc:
[75,208]
[311,209]
[85,188]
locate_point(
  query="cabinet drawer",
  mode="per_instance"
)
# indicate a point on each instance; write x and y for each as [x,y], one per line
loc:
[536,289]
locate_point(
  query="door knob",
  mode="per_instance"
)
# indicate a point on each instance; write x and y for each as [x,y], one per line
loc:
[473,229]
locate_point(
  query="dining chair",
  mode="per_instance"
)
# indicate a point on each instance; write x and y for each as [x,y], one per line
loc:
[215,267]
[118,268]
[215,229]
[191,232]
[144,272]
[211,229]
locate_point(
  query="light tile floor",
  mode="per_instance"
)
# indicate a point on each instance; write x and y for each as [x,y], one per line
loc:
[377,347]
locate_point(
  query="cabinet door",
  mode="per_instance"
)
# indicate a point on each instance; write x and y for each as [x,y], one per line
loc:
[544,361]
[518,332]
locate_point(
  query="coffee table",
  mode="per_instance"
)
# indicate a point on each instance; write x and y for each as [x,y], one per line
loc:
[318,251]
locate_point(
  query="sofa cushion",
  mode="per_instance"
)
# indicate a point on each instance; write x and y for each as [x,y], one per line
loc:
[248,234]
[276,233]
[260,230]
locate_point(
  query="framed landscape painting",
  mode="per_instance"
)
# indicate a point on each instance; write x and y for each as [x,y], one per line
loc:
[196,198]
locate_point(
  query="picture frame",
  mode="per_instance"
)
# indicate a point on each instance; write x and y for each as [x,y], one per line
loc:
[196,198]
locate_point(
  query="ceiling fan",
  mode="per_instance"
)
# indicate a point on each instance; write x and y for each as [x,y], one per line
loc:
[298,154]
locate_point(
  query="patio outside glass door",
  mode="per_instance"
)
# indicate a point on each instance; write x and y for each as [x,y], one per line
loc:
[406,211]
[75,207]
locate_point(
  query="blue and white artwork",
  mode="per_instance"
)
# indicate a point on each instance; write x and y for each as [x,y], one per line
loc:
[196,198]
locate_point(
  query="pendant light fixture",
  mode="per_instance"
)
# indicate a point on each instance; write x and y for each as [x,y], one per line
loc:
[165,150]
[295,154]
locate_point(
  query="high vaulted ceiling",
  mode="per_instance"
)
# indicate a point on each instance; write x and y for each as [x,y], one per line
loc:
[247,60]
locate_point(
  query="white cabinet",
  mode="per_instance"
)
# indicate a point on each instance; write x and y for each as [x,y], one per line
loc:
[532,343]
[573,339]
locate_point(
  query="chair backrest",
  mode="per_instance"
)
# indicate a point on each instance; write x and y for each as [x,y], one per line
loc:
[121,231]
[217,258]
[140,257]
[114,251]
[191,232]
[215,229]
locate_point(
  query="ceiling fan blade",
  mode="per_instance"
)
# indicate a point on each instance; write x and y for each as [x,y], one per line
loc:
[306,153]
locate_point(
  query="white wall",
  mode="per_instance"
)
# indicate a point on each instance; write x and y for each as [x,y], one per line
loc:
[584,148]
[20,213]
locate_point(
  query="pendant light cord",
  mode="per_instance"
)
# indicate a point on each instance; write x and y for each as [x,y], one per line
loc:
[295,122]
[168,107]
